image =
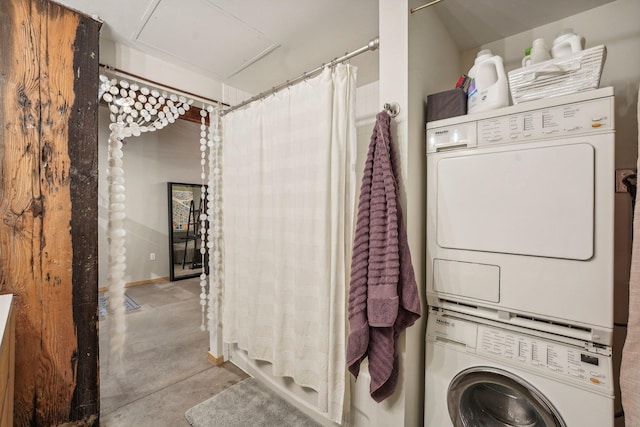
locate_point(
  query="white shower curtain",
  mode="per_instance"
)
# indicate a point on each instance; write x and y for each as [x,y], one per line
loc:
[289,188]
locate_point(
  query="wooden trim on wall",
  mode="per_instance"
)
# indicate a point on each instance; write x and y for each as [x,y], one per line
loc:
[215,360]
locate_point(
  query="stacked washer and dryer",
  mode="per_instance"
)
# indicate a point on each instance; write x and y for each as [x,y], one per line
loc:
[520,258]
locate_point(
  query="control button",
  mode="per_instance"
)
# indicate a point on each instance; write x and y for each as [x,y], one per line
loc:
[526,134]
[571,129]
[513,136]
[522,359]
[594,380]
[574,374]
[535,362]
[596,125]
[550,131]
[597,119]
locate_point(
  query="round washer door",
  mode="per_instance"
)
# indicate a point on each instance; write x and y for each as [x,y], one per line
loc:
[484,396]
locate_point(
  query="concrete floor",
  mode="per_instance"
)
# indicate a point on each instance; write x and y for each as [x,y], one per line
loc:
[165,369]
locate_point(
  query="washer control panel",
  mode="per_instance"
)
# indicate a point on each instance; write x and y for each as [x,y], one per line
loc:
[539,354]
[588,365]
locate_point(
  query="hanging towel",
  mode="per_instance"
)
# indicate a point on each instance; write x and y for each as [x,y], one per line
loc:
[630,368]
[383,294]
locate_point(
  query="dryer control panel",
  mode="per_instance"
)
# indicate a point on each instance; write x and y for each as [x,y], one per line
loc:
[557,121]
[536,120]
[586,367]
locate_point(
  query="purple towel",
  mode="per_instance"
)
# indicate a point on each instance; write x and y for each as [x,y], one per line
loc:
[383,294]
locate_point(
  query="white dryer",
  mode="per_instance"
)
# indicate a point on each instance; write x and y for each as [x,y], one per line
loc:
[483,373]
[520,215]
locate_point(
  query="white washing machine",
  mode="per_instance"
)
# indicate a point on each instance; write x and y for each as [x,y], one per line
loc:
[483,373]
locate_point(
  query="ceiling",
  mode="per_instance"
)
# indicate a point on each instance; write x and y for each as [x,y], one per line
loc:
[473,23]
[255,44]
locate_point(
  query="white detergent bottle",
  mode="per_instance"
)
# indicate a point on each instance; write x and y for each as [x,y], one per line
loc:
[567,43]
[489,87]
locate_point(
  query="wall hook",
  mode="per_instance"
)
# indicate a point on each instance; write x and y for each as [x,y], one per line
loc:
[393,109]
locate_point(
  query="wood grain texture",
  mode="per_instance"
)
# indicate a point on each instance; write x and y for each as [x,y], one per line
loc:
[83,152]
[46,260]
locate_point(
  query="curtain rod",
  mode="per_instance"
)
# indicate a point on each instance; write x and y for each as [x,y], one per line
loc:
[415,9]
[141,79]
[372,45]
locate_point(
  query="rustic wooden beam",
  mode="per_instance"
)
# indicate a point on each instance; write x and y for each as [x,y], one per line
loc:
[192,115]
[48,206]
[83,153]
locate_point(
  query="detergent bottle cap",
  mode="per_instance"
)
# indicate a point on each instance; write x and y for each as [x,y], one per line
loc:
[564,32]
[483,54]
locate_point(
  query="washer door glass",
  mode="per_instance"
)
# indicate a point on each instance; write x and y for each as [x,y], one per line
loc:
[483,396]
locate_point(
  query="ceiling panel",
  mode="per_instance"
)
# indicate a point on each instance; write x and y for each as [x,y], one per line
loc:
[312,33]
[203,35]
[121,18]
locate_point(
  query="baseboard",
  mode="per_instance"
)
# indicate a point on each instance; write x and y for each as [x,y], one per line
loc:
[138,283]
[217,361]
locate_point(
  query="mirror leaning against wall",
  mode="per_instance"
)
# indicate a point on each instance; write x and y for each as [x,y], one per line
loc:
[185,204]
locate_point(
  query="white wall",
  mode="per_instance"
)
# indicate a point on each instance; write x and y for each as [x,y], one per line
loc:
[417,57]
[158,70]
[367,106]
[150,161]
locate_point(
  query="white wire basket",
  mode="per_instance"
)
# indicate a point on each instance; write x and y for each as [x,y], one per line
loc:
[555,77]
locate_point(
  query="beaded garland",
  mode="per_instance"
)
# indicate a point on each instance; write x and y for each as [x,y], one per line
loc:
[203,215]
[133,111]
[215,241]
